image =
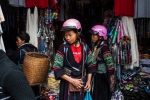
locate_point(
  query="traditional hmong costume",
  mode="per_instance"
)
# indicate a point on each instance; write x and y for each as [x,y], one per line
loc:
[105,68]
[66,63]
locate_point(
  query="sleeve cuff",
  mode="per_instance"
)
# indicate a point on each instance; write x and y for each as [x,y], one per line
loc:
[59,73]
[110,72]
[91,70]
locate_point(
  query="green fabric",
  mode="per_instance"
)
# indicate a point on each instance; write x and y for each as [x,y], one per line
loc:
[58,61]
[108,60]
[101,68]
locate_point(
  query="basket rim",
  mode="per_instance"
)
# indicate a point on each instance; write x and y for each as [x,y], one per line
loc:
[27,54]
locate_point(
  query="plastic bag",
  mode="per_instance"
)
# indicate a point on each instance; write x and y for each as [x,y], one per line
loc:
[88,96]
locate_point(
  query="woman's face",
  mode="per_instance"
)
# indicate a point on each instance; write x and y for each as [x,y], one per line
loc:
[95,38]
[70,36]
[19,42]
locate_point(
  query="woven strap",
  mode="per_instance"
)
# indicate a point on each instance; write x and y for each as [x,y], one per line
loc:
[83,62]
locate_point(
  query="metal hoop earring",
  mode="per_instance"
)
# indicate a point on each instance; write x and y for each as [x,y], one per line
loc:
[64,40]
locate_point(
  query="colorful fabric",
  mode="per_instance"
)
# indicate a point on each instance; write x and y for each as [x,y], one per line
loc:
[129,30]
[77,53]
[104,59]
[106,68]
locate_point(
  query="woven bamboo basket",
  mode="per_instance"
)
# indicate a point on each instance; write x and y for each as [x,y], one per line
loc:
[35,67]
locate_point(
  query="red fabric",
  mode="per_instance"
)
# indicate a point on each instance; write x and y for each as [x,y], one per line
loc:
[54,4]
[77,53]
[124,7]
[37,3]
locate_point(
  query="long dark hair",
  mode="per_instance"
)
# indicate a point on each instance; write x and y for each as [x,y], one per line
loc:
[24,36]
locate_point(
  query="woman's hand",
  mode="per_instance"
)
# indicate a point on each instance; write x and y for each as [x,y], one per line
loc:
[87,86]
[78,83]
[112,79]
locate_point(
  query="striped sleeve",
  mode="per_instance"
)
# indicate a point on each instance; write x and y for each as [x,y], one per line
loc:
[91,63]
[58,64]
[108,59]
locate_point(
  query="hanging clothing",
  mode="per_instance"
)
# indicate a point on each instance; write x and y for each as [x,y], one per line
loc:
[65,64]
[142,8]
[37,3]
[2,44]
[124,7]
[1,31]
[17,3]
[1,15]
[129,30]
[64,10]
[32,26]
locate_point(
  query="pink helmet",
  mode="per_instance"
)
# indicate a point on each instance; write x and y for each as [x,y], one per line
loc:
[100,30]
[71,24]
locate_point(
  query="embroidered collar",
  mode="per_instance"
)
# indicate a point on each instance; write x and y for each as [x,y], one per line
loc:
[23,44]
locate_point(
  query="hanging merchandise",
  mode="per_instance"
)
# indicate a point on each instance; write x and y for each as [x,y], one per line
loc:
[124,51]
[120,44]
[116,32]
[142,9]
[2,19]
[124,7]
[46,36]
[17,3]
[1,16]
[37,3]
[32,26]
[46,33]
[108,16]
[64,8]
[129,30]
[2,43]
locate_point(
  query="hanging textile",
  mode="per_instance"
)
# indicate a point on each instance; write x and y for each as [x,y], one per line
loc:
[2,44]
[129,30]
[1,15]
[64,10]
[37,3]
[1,31]
[17,3]
[124,7]
[32,26]
[142,8]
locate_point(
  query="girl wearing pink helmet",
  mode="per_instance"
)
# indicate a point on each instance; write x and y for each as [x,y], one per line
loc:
[105,64]
[72,59]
